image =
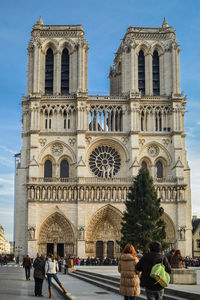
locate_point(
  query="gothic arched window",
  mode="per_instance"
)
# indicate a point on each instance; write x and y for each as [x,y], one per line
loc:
[156,74]
[141,72]
[65,72]
[144,165]
[49,72]
[159,169]
[48,169]
[64,169]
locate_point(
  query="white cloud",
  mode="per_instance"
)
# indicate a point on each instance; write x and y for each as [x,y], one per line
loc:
[7,149]
[6,184]
[198,123]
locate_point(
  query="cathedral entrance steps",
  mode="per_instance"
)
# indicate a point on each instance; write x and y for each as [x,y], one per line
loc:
[112,284]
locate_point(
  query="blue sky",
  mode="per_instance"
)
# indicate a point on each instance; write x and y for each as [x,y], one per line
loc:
[105,23]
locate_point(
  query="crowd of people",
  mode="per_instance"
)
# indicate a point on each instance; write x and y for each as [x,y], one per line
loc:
[135,269]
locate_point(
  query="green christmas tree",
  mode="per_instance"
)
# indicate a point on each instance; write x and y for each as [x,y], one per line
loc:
[142,221]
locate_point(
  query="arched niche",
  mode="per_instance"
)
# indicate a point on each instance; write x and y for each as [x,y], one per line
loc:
[56,236]
[104,226]
[170,230]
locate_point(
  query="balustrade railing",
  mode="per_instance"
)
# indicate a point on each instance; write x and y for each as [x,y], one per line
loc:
[98,190]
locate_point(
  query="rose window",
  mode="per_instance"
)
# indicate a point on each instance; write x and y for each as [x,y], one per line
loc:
[104,162]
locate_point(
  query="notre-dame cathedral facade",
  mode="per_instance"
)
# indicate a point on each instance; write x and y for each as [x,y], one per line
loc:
[80,152]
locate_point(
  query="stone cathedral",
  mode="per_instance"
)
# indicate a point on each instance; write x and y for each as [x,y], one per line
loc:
[80,152]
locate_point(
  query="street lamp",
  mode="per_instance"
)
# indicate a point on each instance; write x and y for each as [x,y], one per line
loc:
[18,249]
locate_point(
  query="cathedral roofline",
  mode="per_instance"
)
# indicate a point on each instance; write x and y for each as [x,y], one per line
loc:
[40,26]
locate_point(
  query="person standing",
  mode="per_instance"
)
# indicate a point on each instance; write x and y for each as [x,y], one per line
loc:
[177,260]
[154,291]
[170,254]
[27,264]
[39,274]
[51,269]
[129,281]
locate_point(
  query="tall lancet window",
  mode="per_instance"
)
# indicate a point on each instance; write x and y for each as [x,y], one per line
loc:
[48,169]
[65,72]
[49,72]
[159,169]
[141,72]
[64,169]
[156,74]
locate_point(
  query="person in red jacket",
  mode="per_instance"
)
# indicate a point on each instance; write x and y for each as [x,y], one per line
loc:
[154,291]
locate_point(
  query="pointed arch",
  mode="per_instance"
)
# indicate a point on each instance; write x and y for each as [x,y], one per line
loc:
[106,213]
[141,72]
[156,73]
[65,71]
[49,71]
[56,229]
[103,231]
[170,230]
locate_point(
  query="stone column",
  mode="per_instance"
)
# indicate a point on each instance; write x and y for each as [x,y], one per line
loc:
[150,74]
[104,249]
[36,68]
[57,72]
[161,63]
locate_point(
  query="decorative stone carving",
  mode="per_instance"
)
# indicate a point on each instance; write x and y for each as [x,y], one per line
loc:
[141,142]
[81,233]
[88,139]
[57,149]
[165,142]
[72,141]
[104,162]
[124,140]
[31,233]
[42,142]
[153,150]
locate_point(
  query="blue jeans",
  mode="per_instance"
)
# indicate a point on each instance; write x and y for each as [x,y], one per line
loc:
[129,298]
[154,295]
[50,276]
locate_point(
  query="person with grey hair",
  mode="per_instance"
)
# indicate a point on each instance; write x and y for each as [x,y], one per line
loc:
[154,291]
[39,274]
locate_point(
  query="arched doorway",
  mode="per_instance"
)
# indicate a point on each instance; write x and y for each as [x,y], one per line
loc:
[103,232]
[56,236]
[170,231]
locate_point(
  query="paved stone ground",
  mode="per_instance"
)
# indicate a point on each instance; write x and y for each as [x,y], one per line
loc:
[14,286]
[112,271]
[81,290]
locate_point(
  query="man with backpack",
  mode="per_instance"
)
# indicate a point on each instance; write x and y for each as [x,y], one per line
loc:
[154,290]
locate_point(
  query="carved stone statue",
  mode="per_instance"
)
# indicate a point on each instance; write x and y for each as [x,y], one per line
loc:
[81,233]
[49,193]
[114,194]
[119,194]
[43,193]
[86,194]
[98,193]
[38,193]
[54,194]
[81,193]
[59,194]
[31,233]
[92,193]
[65,194]
[70,193]
[32,193]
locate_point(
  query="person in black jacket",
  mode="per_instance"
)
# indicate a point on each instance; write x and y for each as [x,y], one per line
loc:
[154,291]
[39,274]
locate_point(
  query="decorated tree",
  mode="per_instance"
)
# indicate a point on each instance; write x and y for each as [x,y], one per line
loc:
[142,222]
